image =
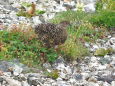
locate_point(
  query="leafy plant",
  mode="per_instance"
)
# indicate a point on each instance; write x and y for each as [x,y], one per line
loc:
[53,74]
[23,44]
[50,54]
[39,12]
[73,49]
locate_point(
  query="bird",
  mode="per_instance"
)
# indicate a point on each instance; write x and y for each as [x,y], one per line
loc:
[52,34]
[30,12]
[32,9]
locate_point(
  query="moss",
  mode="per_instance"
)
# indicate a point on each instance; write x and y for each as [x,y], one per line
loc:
[54,74]
[100,52]
[103,52]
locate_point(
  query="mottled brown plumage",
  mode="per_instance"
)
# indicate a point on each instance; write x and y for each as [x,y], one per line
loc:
[32,10]
[52,34]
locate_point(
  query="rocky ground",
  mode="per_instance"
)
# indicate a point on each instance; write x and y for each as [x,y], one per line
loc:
[92,71]
[9,9]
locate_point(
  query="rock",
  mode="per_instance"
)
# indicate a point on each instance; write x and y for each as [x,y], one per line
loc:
[63,76]
[92,79]
[63,83]
[88,1]
[58,1]
[111,43]
[72,80]
[78,77]
[68,7]
[33,81]
[108,78]
[92,84]
[47,65]
[1,80]
[17,70]
[11,81]
[90,7]
[24,83]
[104,61]
[20,78]
[113,83]
[106,84]
[9,7]
[59,60]
[36,20]
[4,2]
[87,45]
[94,47]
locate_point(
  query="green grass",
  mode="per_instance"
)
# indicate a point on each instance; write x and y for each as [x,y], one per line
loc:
[69,15]
[104,18]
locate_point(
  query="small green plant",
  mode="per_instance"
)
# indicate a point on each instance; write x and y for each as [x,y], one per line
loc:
[103,52]
[37,12]
[53,74]
[49,54]
[73,49]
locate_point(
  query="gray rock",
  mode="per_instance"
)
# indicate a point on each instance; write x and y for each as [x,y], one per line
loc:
[1,80]
[4,2]
[24,83]
[111,43]
[106,84]
[68,7]
[59,60]
[9,7]
[92,84]
[33,81]
[47,65]
[108,78]
[11,81]
[78,76]
[90,7]
[20,78]
[104,61]
[113,83]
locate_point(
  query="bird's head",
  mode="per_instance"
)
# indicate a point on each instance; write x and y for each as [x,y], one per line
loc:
[64,23]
